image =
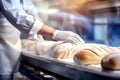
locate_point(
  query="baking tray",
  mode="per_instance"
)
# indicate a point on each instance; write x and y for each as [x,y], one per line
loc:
[68,70]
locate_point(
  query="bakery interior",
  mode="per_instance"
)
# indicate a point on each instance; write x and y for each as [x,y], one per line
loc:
[96,21]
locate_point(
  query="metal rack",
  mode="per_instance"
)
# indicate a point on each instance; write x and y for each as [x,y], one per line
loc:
[32,64]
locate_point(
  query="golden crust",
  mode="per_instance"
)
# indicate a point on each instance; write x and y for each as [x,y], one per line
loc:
[86,57]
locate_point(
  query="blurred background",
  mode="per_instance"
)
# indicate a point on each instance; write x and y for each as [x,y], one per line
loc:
[94,20]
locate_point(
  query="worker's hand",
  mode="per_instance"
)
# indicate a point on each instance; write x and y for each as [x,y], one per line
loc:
[67,36]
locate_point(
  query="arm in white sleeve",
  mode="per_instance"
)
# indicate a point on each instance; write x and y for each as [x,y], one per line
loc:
[14,12]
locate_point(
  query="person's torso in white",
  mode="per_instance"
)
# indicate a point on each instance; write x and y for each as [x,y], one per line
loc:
[10,46]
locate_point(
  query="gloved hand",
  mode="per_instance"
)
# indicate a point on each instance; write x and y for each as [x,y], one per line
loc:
[67,36]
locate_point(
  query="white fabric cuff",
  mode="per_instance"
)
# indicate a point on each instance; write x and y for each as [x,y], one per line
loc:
[36,27]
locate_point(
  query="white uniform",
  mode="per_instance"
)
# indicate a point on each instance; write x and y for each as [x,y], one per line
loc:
[10,47]
[18,12]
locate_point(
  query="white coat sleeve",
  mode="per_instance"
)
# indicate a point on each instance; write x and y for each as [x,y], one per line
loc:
[14,12]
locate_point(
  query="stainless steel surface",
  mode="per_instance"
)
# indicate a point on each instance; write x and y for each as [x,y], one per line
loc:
[69,70]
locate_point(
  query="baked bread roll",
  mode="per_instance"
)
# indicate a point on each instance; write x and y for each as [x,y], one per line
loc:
[111,62]
[63,50]
[93,53]
[86,56]
[28,44]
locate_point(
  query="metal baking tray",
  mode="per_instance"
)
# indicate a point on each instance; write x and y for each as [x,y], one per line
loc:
[69,71]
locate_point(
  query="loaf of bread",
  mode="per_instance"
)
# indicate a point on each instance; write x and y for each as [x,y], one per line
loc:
[28,44]
[38,48]
[63,50]
[111,62]
[93,53]
[86,56]
[42,47]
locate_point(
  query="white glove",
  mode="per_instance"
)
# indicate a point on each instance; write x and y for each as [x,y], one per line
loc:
[67,36]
